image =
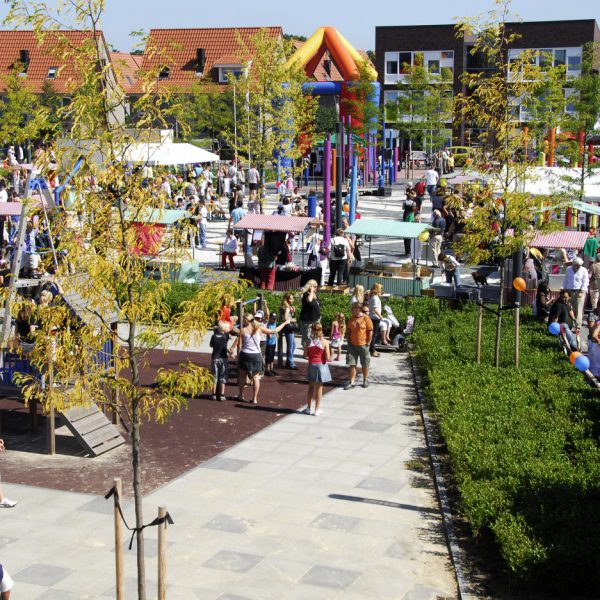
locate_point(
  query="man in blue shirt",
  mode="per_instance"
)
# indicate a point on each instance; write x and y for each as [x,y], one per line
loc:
[237,214]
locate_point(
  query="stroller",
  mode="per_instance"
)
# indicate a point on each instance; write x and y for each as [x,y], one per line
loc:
[396,332]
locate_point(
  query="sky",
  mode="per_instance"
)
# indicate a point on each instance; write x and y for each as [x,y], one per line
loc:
[355,19]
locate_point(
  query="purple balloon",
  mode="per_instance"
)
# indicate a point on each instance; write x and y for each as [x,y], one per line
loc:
[554,328]
[582,363]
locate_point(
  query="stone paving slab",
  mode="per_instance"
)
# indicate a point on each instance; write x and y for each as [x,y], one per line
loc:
[308,508]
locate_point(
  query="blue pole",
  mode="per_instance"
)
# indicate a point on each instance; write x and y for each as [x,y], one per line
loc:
[353,190]
[382,168]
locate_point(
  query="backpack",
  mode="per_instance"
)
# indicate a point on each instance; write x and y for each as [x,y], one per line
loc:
[420,188]
[339,250]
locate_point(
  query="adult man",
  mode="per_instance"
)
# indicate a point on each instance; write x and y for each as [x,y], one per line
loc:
[6,584]
[431,179]
[237,214]
[590,248]
[360,333]
[201,220]
[439,224]
[577,281]
[253,178]
[339,254]
[560,312]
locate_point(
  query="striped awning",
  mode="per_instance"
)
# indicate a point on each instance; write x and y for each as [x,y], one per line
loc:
[10,209]
[560,239]
[273,223]
[387,228]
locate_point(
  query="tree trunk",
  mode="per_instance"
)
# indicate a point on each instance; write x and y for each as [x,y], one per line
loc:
[499,318]
[136,464]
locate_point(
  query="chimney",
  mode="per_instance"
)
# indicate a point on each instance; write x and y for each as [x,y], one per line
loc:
[200,60]
[24,59]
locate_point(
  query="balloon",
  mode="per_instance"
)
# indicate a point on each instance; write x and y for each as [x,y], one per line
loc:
[582,363]
[424,236]
[519,284]
[554,328]
[574,356]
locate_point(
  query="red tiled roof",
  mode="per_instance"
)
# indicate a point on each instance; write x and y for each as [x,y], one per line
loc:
[560,239]
[126,67]
[273,223]
[41,58]
[179,47]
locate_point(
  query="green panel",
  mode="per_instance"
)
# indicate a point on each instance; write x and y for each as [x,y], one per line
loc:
[387,228]
[396,286]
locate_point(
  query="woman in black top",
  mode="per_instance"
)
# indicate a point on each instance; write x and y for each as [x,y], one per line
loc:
[311,310]
[542,301]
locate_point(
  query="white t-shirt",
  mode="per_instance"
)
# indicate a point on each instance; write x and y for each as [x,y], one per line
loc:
[3,196]
[253,176]
[202,214]
[374,305]
[431,177]
[337,240]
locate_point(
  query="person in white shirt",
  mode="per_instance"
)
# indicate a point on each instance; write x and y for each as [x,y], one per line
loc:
[431,179]
[451,268]
[577,282]
[230,249]
[3,192]
[6,584]
[253,177]
[339,255]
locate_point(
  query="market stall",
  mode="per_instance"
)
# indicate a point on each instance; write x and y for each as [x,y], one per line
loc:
[408,279]
[268,235]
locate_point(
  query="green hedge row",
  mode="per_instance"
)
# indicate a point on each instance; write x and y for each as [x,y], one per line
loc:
[523,446]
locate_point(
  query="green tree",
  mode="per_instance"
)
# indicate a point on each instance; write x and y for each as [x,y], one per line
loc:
[110,274]
[272,111]
[325,119]
[52,102]
[22,117]
[501,221]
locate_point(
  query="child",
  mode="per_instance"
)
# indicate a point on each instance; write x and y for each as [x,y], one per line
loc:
[318,354]
[270,347]
[338,331]
[230,248]
[219,365]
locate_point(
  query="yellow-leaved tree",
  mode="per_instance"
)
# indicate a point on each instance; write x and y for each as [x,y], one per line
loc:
[98,238]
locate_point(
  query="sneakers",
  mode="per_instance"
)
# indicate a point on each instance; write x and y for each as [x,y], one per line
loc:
[292,367]
[6,503]
[375,354]
[318,413]
[268,373]
[349,385]
[307,411]
[365,383]
[273,373]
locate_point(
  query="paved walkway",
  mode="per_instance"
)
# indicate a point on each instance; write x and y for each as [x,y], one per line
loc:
[308,508]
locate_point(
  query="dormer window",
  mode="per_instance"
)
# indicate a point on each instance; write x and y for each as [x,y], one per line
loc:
[164,73]
[52,73]
[24,62]
[224,72]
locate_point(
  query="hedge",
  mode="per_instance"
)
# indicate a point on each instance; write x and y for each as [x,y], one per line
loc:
[523,445]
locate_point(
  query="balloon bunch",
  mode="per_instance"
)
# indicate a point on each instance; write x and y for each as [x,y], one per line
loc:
[580,361]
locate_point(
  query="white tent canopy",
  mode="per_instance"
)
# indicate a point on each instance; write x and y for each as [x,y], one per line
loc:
[556,180]
[168,153]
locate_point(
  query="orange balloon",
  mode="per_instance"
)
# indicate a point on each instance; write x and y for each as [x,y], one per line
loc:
[519,284]
[573,357]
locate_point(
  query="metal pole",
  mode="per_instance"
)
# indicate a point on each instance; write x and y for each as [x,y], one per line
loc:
[234,122]
[339,173]
[119,568]
[517,333]
[162,554]
[479,331]
[50,433]
[327,189]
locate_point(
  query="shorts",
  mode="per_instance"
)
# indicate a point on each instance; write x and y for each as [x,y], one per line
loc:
[252,186]
[250,362]
[319,373]
[270,353]
[336,343]
[356,353]
[219,368]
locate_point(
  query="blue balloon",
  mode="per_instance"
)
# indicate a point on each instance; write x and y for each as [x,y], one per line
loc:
[554,328]
[582,363]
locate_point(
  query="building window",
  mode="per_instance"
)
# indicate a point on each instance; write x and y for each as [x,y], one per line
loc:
[390,103]
[433,66]
[570,97]
[406,62]
[52,72]
[398,65]
[391,67]
[235,70]
[164,73]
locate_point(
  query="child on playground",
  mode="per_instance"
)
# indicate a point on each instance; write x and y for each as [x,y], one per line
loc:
[271,345]
[338,332]
[219,365]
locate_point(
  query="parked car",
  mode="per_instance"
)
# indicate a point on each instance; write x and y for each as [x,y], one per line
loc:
[461,155]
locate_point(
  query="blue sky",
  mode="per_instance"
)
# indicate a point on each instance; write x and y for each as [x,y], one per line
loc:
[356,20]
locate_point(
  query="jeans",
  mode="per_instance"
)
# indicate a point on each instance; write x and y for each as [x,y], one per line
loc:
[290,347]
[202,235]
[431,190]
[337,267]
[453,277]
[375,337]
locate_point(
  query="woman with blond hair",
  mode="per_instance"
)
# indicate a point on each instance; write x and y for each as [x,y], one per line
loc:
[318,354]
[358,297]
[375,313]
[287,311]
[250,358]
[311,309]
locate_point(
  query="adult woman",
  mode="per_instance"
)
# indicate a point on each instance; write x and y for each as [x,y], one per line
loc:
[375,314]
[250,359]
[318,354]
[542,301]
[359,295]
[287,312]
[311,310]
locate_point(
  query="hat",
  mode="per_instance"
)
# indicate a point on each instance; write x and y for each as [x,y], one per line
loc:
[259,314]
[273,316]
[577,261]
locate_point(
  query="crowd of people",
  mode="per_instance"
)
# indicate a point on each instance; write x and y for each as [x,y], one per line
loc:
[255,341]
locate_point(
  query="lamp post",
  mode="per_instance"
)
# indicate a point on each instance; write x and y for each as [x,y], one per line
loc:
[249,64]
